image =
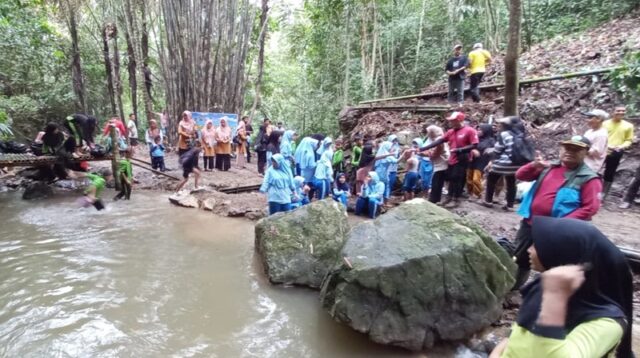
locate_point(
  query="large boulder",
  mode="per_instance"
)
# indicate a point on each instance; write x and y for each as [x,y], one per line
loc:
[37,190]
[417,275]
[301,246]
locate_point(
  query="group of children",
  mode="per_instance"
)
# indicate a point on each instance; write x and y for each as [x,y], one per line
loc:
[317,168]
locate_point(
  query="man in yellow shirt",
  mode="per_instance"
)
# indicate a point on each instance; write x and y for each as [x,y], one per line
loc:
[620,138]
[479,59]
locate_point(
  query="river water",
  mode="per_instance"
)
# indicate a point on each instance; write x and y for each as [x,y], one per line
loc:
[146,279]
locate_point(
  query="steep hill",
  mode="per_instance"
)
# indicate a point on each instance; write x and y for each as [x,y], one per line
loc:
[551,109]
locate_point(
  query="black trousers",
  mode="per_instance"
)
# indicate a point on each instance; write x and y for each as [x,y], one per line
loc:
[437,183]
[223,162]
[208,163]
[125,192]
[611,163]
[248,148]
[158,163]
[262,161]
[457,176]
[632,192]
[510,181]
[523,241]
[474,82]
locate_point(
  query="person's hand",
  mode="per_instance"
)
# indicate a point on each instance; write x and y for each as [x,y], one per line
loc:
[539,162]
[563,280]
[475,153]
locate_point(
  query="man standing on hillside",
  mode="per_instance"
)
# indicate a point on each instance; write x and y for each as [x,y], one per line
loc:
[479,59]
[455,69]
[620,138]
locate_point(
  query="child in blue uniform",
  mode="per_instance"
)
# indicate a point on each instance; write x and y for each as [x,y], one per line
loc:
[371,196]
[301,195]
[278,184]
[410,183]
[323,176]
[341,190]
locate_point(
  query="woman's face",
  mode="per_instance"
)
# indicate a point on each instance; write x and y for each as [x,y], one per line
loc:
[275,164]
[223,123]
[342,180]
[209,125]
[534,260]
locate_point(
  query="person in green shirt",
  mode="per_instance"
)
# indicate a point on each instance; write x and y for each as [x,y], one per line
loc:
[93,193]
[125,173]
[581,304]
[338,158]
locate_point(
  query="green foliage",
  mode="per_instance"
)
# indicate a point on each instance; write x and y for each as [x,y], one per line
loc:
[5,125]
[626,80]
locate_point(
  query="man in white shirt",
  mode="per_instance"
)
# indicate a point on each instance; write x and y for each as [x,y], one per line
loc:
[598,136]
[132,129]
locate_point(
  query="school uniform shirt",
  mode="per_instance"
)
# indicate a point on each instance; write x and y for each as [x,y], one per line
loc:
[598,151]
[278,183]
[157,150]
[620,133]
[324,169]
[125,168]
[458,138]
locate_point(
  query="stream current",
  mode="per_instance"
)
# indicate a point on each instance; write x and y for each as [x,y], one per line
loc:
[146,279]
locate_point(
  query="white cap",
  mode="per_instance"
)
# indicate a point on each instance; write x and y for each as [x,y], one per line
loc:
[477,45]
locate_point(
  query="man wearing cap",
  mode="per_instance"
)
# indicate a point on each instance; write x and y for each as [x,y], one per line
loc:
[620,138]
[455,69]
[568,188]
[461,139]
[598,137]
[479,59]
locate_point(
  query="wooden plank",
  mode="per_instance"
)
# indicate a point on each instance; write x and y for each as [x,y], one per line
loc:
[498,85]
[138,165]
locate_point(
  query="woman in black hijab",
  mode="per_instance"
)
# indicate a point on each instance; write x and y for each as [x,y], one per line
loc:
[599,313]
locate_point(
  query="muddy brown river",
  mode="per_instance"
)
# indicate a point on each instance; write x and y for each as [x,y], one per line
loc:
[146,279]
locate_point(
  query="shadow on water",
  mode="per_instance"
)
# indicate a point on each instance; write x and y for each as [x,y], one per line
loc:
[143,279]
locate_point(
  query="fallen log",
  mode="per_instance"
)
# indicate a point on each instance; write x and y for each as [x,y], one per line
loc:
[155,171]
[409,107]
[495,86]
[239,189]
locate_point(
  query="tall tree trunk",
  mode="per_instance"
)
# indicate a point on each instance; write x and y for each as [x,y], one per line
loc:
[347,46]
[419,43]
[511,60]
[261,40]
[106,34]
[131,69]
[76,64]
[117,82]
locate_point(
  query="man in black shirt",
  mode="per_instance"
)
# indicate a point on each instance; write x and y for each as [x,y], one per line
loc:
[455,70]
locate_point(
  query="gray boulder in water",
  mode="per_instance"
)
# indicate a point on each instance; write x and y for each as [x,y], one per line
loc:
[37,190]
[299,247]
[417,275]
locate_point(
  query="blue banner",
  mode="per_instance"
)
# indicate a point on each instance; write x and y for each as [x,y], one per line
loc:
[202,117]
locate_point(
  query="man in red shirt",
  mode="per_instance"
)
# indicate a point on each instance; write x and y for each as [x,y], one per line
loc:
[461,139]
[568,188]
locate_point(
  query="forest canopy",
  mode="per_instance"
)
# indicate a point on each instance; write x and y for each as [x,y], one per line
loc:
[294,61]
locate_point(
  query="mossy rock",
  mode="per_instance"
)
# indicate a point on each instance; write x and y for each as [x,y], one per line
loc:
[300,247]
[418,275]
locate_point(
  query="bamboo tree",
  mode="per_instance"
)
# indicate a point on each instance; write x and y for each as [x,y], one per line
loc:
[261,41]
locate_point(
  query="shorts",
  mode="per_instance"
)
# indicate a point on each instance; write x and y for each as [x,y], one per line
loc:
[188,170]
[410,182]
[133,142]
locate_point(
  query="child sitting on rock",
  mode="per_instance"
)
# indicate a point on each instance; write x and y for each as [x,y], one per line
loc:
[301,196]
[341,190]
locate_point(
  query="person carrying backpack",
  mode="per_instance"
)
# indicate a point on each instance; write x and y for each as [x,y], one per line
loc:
[512,150]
